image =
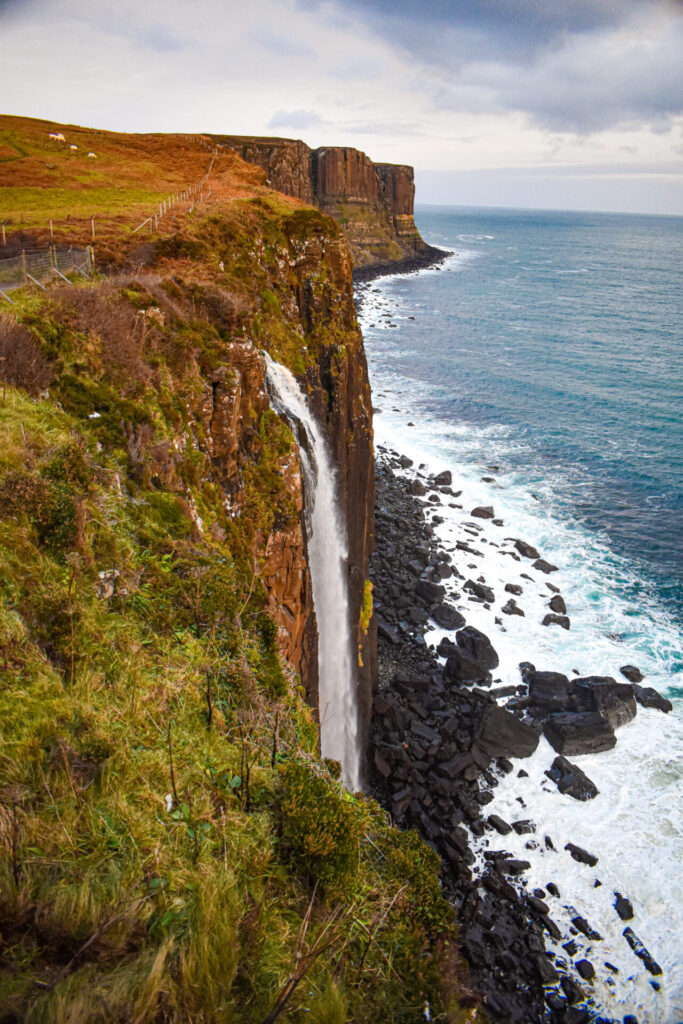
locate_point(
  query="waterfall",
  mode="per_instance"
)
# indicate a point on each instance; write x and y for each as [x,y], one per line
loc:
[327,559]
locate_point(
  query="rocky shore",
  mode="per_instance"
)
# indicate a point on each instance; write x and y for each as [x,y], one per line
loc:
[429,256]
[444,734]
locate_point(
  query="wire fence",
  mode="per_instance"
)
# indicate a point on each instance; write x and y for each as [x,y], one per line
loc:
[191,197]
[38,267]
[56,261]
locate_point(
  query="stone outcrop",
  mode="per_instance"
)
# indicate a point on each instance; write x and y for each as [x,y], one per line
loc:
[315,272]
[372,202]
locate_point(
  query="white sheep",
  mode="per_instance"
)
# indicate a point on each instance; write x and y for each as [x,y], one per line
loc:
[92,156]
[73,148]
[56,137]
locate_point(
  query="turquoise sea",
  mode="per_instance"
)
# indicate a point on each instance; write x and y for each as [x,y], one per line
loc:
[543,364]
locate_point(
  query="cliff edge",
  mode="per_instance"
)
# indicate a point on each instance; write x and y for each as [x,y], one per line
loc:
[172,845]
[373,202]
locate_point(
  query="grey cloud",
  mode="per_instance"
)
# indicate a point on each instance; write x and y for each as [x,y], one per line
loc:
[297,119]
[555,61]
[281,45]
[513,30]
[586,87]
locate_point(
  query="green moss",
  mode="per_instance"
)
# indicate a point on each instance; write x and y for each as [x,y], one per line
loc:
[321,824]
[366,607]
[135,637]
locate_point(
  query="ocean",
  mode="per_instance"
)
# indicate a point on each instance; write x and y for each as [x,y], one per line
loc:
[542,365]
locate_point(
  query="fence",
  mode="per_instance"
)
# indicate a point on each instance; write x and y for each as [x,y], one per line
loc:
[36,267]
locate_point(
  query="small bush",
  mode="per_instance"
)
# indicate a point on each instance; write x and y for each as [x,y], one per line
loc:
[321,824]
[22,364]
[49,506]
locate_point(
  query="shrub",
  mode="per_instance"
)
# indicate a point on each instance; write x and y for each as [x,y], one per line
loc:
[22,364]
[321,824]
[49,506]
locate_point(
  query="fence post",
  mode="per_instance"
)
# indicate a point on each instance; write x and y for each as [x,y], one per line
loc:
[52,234]
[92,227]
[4,240]
[23,265]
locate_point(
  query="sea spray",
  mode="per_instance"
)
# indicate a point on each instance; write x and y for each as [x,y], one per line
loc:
[327,558]
[622,606]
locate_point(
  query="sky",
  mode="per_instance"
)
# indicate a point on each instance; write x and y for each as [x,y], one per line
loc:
[570,104]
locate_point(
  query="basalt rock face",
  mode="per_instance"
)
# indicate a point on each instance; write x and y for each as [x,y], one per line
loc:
[373,202]
[339,394]
[287,163]
[314,273]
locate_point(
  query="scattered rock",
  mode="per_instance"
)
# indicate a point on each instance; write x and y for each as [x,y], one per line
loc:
[527,550]
[557,604]
[417,488]
[573,734]
[641,952]
[571,780]
[512,608]
[444,479]
[648,697]
[513,588]
[614,701]
[479,590]
[633,674]
[477,646]
[585,969]
[548,692]
[448,617]
[581,855]
[546,971]
[461,669]
[556,620]
[432,593]
[500,826]
[573,992]
[544,566]
[502,734]
[483,512]
[623,907]
[582,925]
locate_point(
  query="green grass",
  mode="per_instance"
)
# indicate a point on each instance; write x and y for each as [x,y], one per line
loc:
[173,848]
[34,206]
[170,896]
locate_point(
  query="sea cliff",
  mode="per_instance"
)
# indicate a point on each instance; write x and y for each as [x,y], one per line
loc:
[173,845]
[372,201]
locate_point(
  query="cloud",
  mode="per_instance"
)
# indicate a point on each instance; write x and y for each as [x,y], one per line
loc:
[576,65]
[510,30]
[297,119]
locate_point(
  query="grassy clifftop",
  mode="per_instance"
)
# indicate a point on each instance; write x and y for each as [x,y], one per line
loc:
[172,846]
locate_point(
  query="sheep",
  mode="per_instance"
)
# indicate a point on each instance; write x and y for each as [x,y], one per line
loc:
[92,156]
[73,148]
[56,137]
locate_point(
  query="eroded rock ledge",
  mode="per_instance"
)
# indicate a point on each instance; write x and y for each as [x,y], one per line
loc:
[373,202]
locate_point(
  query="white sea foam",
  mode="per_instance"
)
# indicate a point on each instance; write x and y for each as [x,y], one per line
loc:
[635,825]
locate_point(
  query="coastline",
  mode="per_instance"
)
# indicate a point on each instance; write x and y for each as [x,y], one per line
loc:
[397,649]
[426,258]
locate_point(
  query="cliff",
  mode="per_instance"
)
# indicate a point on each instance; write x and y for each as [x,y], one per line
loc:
[170,839]
[372,202]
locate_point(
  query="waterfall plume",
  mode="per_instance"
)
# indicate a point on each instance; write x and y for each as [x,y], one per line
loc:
[327,558]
